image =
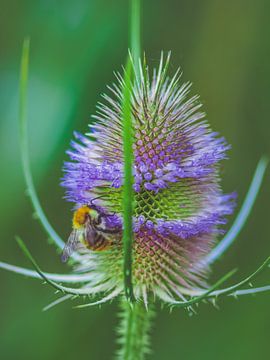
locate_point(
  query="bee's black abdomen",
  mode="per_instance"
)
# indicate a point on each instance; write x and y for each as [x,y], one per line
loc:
[101,242]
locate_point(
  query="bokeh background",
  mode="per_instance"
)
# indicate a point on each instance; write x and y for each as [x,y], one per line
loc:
[223,47]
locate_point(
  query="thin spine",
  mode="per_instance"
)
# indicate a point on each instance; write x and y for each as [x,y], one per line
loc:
[65,278]
[24,148]
[231,290]
[243,213]
[68,290]
[134,331]
[251,291]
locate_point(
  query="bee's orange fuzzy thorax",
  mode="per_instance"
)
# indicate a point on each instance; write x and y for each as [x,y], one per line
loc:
[80,216]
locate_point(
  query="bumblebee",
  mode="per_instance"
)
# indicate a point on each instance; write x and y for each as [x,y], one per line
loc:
[89,229]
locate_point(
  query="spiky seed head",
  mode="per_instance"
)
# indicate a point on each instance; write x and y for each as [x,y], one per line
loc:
[179,205]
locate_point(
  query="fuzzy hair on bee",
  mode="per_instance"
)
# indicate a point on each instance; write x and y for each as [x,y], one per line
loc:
[89,229]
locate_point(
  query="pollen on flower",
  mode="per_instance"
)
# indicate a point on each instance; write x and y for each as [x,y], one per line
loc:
[179,205]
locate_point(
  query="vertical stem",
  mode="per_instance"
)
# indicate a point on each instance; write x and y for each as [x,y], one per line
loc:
[135,36]
[128,196]
[128,183]
[134,329]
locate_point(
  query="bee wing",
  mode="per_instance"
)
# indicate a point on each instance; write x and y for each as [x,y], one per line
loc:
[90,234]
[71,245]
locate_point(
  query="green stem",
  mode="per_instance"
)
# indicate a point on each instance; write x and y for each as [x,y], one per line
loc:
[128,195]
[134,329]
[135,33]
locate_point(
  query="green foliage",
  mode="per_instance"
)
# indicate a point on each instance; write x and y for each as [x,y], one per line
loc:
[134,331]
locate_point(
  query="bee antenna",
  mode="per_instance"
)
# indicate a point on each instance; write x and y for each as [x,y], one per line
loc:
[98,197]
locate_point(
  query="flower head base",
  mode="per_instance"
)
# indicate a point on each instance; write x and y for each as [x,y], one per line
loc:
[179,206]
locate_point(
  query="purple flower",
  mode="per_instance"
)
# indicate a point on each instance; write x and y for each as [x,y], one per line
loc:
[179,205]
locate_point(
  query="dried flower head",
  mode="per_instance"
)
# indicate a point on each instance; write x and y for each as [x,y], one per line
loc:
[179,205]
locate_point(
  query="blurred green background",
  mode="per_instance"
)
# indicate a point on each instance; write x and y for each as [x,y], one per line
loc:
[223,47]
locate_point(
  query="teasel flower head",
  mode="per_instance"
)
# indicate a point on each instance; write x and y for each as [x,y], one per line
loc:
[179,207]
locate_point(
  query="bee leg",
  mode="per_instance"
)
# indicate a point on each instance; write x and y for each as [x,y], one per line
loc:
[99,220]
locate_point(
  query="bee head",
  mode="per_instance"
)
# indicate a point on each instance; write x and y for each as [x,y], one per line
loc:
[81,214]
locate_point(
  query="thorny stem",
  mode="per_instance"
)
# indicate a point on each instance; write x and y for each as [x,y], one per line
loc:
[134,317]
[128,196]
[134,328]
